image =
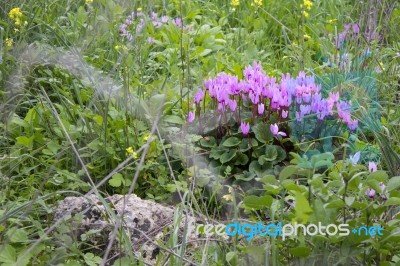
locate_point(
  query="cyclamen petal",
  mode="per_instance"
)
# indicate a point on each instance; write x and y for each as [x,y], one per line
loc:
[355,158]
[260,108]
[370,193]
[190,117]
[372,167]
[245,127]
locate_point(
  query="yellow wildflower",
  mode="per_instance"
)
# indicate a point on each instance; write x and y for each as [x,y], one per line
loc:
[130,152]
[258,2]
[307,4]
[145,138]
[306,15]
[235,3]
[15,13]
[139,9]
[382,66]
[306,36]
[332,21]
[9,42]
[89,2]
[227,197]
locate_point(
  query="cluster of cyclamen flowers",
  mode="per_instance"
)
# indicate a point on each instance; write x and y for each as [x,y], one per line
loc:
[300,94]
[351,30]
[125,28]
[372,167]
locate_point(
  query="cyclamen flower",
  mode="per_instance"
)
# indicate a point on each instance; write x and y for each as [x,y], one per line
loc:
[275,130]
[198,96]
[178,22]
[370,193]
[372,167]
[232,105]
[260,108]
[355,158]
[190,117]
[245,128]
[383,188]
[285,114]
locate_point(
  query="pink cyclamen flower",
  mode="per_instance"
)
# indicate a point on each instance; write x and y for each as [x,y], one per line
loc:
[383,188]
[260,108]
[245,127]
[372,167]
[150,40]
[275,130]
[198,96]
[370,193]
[285,114]
[190,117]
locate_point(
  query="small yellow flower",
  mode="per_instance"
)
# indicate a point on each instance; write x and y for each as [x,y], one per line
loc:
[130,152]
[306,36]
[145,138]
[307,4]
[89,2]
[139,9]
[235,3]
[116,47]
[258,2]
[305,13]
[9,42]
[15,13]
[227,197]
[332,21]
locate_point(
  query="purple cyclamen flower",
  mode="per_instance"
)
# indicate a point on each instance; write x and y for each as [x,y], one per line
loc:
[275,130]
[352,124]
[356,28]
[178,22]
[245,127]
[355,158]
[370,193]
[150,40]
[285,114]
[190,117]
[383,188]
[198,96]
[232,105]
[372,167]
[260,108]
[164,19]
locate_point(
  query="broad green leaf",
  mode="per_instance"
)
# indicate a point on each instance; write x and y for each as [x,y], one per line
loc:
[300,251]
[231,142]
[392,201]
[393,183]
[287,172]
[8,254]
[173,119]
[25,141]
[242,159]
[116,180]
[227,156]
[208,142]
[98,119]
[302,207]
[258,203]
[17,235]
[262,133]
[334,204]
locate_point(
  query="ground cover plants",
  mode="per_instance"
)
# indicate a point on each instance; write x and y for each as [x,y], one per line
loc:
[230,111]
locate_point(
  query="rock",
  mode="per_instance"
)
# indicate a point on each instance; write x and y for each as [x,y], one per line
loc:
[144,222]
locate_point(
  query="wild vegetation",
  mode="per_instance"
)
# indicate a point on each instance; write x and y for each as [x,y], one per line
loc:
[258,110]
